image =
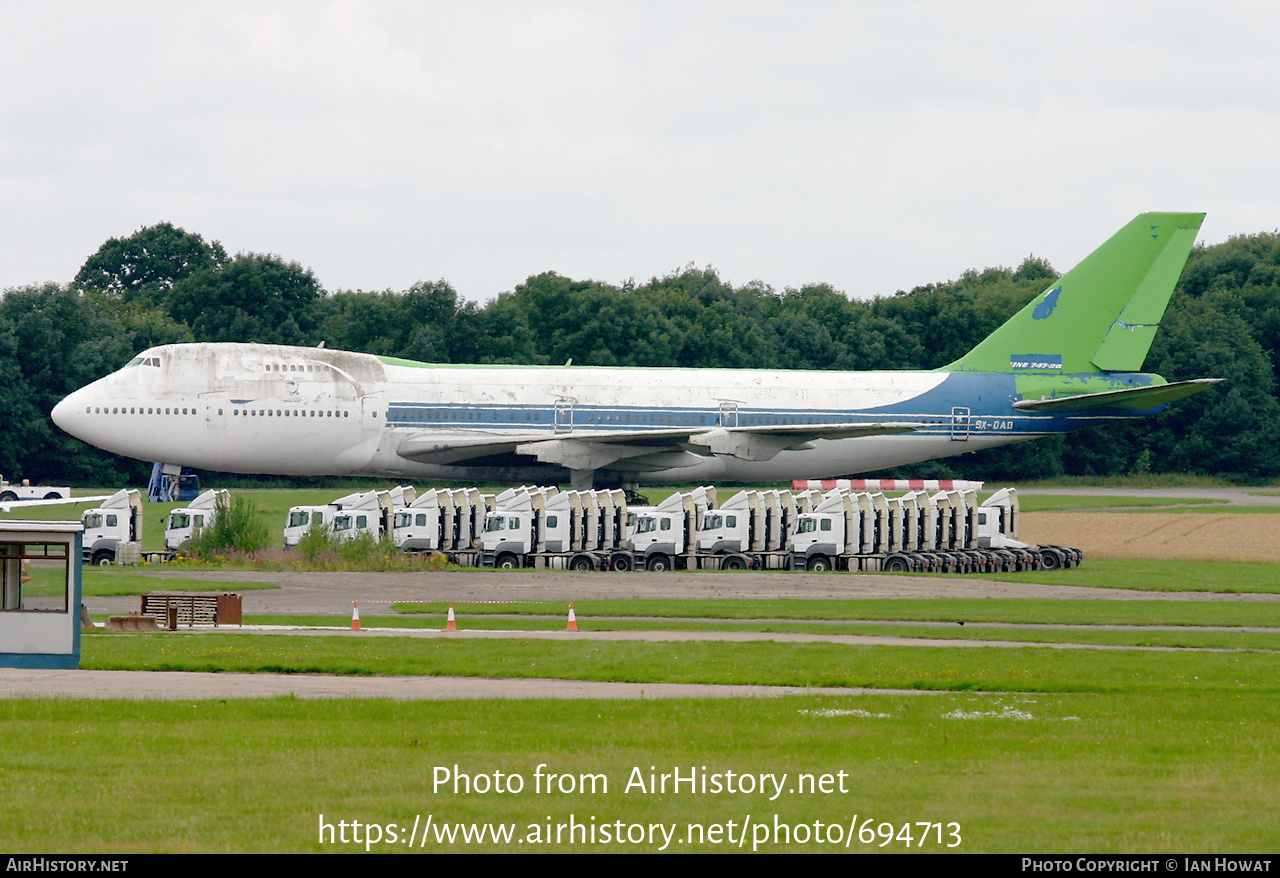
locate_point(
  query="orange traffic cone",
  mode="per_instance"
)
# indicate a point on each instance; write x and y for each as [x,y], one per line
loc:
[451,625]
[355,616]
[573,622]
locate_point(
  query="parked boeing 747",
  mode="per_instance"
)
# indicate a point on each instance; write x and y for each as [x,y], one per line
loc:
[1070,359]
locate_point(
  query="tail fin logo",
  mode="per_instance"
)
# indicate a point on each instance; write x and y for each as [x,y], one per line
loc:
[1046,306]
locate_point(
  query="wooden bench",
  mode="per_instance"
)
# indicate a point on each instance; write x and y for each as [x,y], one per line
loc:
[194,609]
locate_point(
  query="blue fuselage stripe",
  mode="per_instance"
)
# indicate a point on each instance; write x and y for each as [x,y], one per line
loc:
[977,402]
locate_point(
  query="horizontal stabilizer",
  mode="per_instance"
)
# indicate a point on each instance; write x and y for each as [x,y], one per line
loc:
[1139,399]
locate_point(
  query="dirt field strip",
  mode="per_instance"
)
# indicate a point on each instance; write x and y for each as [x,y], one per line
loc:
[1158,535]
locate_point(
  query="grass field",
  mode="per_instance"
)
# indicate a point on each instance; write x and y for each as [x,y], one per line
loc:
[1026,750]
[1065,502]
[1191,771]
[1261,575]
[1192,638]
[752,663]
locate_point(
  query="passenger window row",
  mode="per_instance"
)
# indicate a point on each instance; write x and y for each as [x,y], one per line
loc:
[289,413]
[293,367]
[137,410]
[174,410]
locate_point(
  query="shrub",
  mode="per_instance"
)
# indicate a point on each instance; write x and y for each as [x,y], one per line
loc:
[318,542]
[236,528]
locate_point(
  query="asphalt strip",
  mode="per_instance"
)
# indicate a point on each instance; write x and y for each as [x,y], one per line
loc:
[182,686]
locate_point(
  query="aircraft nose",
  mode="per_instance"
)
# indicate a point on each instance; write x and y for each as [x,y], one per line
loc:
[69,414]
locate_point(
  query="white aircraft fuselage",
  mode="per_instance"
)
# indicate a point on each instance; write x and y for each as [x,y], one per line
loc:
[1063,362]
[253,408]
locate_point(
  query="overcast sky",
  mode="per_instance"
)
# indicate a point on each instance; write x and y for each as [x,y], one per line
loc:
[873,146]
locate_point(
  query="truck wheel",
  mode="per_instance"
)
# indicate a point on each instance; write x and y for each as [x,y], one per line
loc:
[621,563]
[1050,560]
[897,564]
[659,564]
[582,564]
[103,559]
[53,495]
[733,562]
[7,496]
[507,562]
[819,565]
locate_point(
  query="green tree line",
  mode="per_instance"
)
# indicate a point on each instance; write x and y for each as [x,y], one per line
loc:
[163,284]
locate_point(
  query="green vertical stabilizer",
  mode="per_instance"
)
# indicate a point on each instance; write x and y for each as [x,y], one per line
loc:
[1100,316]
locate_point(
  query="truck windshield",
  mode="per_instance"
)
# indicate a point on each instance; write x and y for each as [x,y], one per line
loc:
[298,519]
[711,522]
[807,526]
[496,523]
[180,520]
[91,521]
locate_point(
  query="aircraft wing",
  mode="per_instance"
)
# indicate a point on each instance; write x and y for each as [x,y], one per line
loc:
[61,501]
[765,441]
[663,448]
[1135,399]
[450,448]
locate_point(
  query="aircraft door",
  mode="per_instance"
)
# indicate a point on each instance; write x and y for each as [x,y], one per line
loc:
[564,416]
[215,410]
[959,423]
[372,412]
[728,414]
